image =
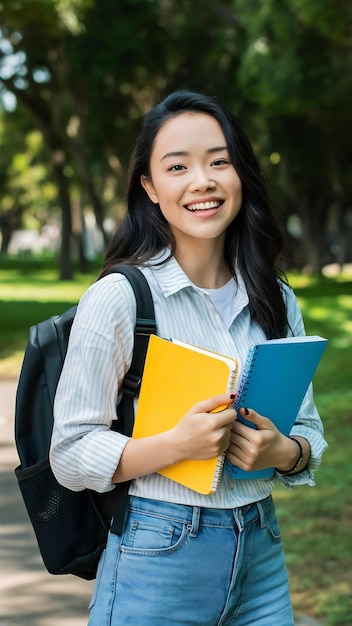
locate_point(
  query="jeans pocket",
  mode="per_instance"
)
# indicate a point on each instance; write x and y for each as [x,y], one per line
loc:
[152,535]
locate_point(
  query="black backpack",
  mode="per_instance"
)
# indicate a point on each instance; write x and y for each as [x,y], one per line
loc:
[71,527]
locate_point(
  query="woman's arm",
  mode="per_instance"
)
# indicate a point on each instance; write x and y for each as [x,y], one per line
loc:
[200,434]
[84,450]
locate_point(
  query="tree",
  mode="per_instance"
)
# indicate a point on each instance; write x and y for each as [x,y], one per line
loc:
[35,35]
[295,68]
[25,183]
[86,71]
[86,83]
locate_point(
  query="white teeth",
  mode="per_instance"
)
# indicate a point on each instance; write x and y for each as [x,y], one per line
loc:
[203,206]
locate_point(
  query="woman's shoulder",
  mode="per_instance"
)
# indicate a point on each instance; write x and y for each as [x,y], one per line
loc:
[109,287]
[110,298]
[287,291]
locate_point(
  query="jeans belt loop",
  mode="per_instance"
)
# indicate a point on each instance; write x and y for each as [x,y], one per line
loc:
[261,515]
[194,526]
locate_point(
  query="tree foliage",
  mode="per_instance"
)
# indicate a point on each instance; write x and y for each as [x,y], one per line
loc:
[84,72]
[296,70]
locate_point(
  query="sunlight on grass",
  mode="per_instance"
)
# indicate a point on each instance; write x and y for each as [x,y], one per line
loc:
[300,279]
[27,298]
[45,289]
[342,342]
[46,294]
[315,312]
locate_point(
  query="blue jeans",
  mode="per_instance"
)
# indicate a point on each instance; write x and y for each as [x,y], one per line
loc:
[182,565]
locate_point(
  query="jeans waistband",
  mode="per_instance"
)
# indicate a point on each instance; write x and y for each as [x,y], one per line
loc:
[206,516]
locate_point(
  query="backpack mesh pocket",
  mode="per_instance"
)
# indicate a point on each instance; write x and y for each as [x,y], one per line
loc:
[56,513]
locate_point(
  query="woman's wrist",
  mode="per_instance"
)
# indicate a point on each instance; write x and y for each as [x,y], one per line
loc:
[298,463]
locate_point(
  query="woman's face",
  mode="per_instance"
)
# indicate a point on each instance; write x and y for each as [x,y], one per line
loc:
[192,178]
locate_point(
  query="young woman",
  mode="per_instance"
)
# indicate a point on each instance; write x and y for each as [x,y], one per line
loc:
[200,226]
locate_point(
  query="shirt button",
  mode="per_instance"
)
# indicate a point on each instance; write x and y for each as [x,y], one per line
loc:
[231,484]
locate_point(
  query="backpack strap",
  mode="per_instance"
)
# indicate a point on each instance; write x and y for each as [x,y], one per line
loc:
[145,326]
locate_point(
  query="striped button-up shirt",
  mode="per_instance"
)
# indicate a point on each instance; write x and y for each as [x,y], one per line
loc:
[84,451]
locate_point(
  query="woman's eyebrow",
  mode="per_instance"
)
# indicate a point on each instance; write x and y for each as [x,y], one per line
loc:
[183,153]
[217,149]
[174,154]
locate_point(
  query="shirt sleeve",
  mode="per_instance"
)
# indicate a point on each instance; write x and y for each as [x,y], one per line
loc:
[308,423]
[84,451]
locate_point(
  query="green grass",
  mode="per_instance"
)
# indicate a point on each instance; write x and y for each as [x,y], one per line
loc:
[316,523]
[28,295]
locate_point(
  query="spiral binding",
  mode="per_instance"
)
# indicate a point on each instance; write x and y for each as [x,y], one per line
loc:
[218,472]
[246,374]
[221,459]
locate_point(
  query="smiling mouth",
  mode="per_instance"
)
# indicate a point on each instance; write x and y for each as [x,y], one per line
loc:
[204,206]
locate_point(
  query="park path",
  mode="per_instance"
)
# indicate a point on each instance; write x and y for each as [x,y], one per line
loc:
[29,596]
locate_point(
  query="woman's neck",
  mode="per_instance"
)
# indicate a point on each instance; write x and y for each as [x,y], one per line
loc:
[205,266]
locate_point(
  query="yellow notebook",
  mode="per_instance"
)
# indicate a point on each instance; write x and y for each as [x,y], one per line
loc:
[175,377]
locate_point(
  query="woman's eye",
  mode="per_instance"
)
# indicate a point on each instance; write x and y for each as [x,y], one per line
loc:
[220,162]
[176,168]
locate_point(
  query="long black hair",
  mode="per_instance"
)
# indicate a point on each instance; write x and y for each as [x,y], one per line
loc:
[253,240]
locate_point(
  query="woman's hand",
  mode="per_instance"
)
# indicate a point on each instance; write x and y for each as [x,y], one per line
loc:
[205,431]
[260,447]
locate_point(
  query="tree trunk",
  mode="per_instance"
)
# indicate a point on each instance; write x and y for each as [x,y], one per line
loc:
[313,221]
[40,113]
[65,257]
[85,176]
[7,227]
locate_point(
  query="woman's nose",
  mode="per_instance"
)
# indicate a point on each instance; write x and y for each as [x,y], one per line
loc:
[201,181]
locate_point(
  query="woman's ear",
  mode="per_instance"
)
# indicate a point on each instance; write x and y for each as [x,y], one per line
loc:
[149,188]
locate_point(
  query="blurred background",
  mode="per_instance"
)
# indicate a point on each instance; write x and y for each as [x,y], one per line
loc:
[76,76]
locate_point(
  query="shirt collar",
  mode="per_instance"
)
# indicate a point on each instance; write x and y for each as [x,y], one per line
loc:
[172,279]
[170,275]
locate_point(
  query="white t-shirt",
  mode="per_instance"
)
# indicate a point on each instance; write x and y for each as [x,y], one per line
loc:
[223,298]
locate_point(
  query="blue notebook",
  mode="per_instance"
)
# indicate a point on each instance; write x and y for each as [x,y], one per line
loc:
[275,379]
